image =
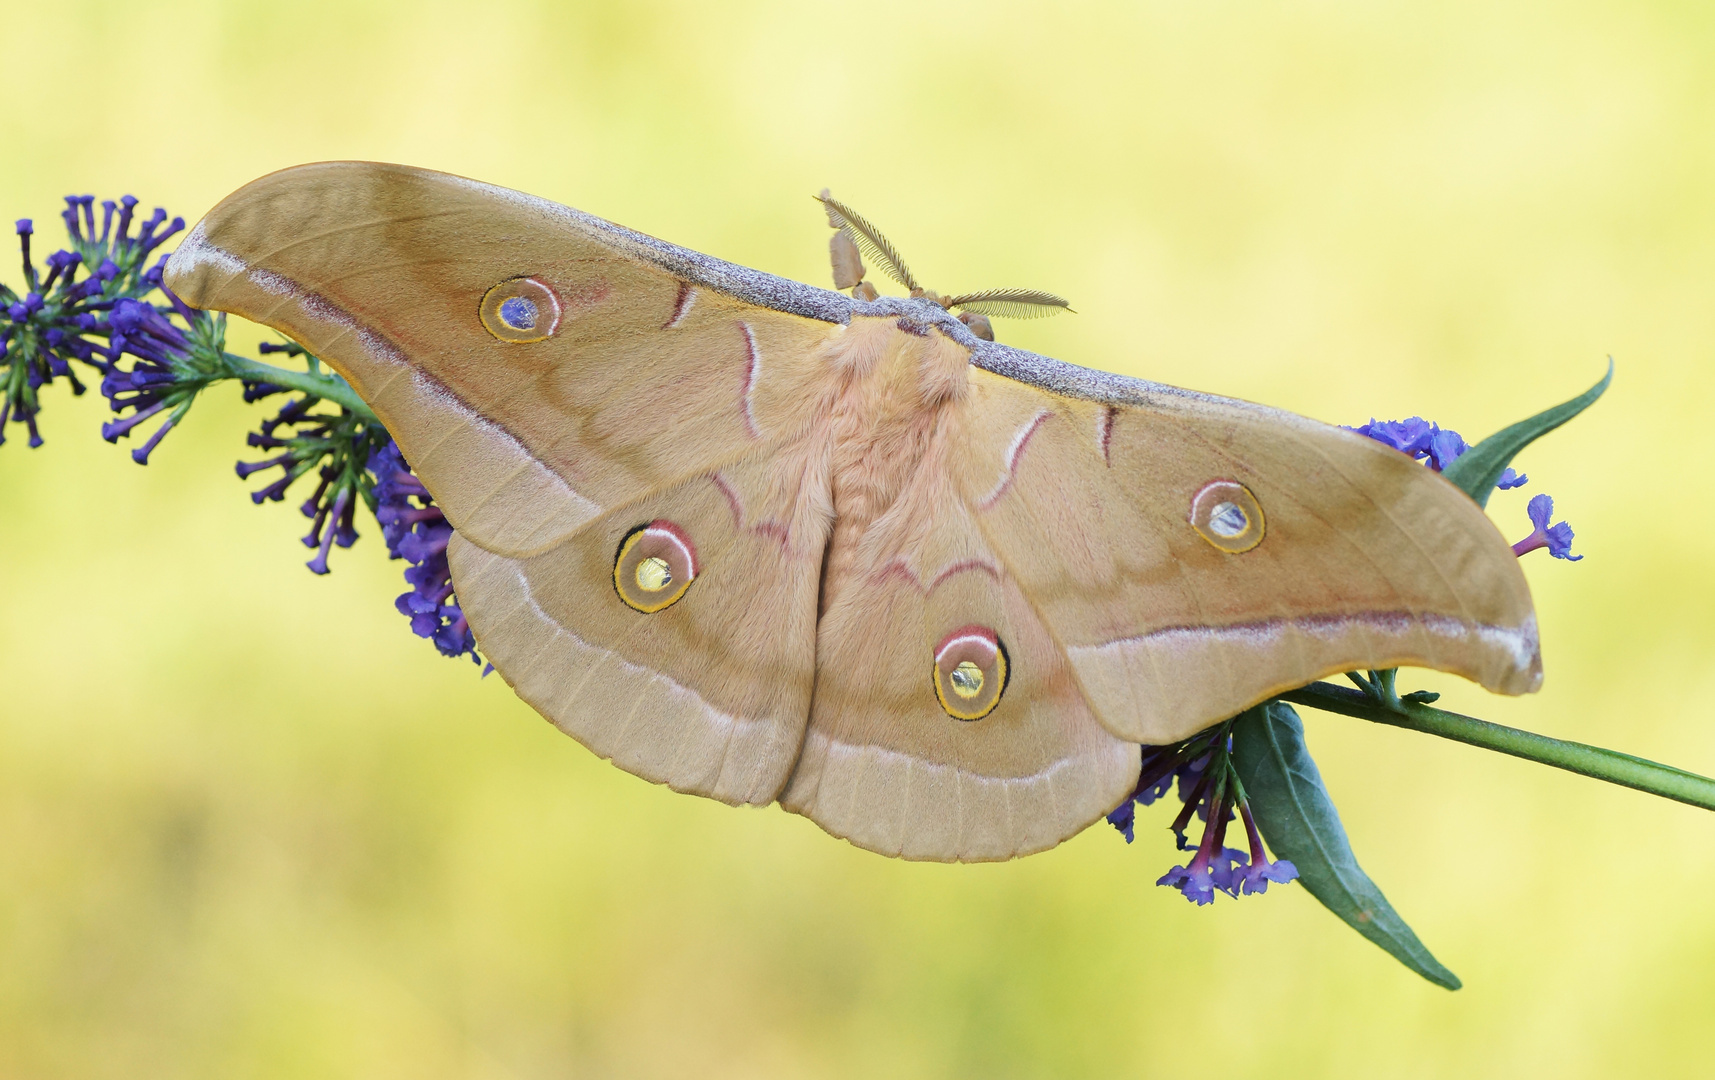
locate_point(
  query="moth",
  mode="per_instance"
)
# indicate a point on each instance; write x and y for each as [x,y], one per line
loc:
[761,541]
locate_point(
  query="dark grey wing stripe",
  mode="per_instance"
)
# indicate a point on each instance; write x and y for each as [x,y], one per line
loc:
[795,298]
[752,286]
[1070,380]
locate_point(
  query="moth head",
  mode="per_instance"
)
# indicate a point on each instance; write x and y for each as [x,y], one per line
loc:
[855,239]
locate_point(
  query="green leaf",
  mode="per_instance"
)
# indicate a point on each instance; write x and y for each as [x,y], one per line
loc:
[1299,821]
[1476,470]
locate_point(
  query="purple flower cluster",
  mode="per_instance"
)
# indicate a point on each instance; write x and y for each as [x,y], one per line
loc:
[1439,447]
[339,443]
[114,244]
[157,359]
[415,530]
[159,377]
[1209,788]
[1429,442]
[156,356]
[61,318]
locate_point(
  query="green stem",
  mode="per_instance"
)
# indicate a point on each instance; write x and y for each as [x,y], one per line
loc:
[325,385]
[1609,765]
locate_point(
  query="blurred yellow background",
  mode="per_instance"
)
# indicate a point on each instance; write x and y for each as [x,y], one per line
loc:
[251,827]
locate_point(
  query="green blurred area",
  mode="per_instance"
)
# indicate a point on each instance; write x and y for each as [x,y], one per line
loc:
[251,827]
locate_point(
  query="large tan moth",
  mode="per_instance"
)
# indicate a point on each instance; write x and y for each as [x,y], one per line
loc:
[762,541]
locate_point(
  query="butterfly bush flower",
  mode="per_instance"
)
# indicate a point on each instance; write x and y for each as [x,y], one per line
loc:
[1557,538]
[161,377]
[1440,447]
[1209,788]
[1425,441]
[57,320]
[416,530]
[337,445]
[96,320]
[156,355]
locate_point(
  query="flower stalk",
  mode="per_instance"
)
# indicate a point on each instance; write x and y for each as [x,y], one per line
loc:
[1585,760]
[317,383]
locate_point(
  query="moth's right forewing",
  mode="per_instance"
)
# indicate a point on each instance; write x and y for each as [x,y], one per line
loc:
[627,397]
[645,381]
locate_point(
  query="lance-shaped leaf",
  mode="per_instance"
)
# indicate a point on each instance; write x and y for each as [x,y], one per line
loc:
[1299,821]
[1477,469]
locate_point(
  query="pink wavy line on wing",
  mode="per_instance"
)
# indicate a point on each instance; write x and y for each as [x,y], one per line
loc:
[901,569]
[681,306]
[751,364]
[775,530]
[1105,430]
[1020,440]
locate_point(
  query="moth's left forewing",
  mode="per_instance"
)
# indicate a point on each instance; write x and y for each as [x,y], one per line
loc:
[1360,557]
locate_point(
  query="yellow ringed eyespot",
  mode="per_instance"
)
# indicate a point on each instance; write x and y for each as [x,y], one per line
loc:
[520,310]
[1228,516]
[969,670]
[655,564]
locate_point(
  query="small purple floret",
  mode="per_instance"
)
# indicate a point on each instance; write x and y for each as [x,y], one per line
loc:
[1209,788]
[1419,438]
[415,530]
[1254,871]
[1445,446]
[1124,818]
[1409,436]
[1439,447]
[1255,877]
[1194,881]
[1557,537]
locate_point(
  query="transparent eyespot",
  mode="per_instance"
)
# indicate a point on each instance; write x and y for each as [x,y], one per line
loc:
[1228,520]
[518,313]
[653,574]
[1227,515]
[967,679]
[654,566]
[520,310]
[970,672]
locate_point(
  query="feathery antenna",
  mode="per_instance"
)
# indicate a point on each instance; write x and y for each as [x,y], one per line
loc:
[857,239]
[1011,303]
[868,239]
